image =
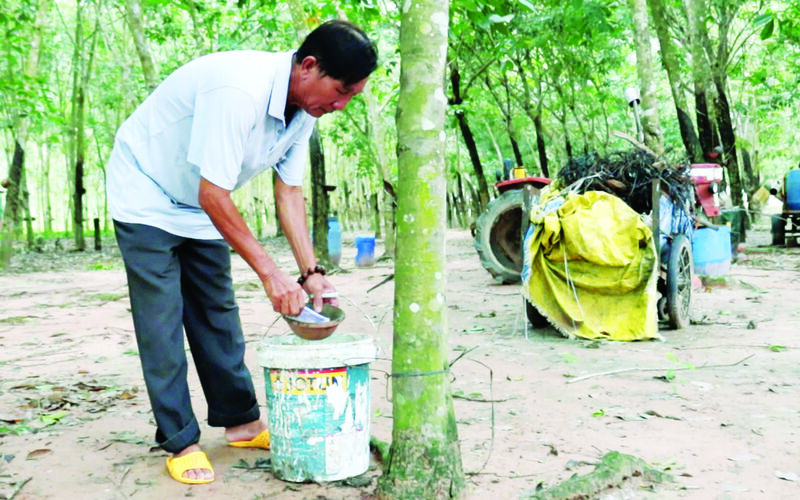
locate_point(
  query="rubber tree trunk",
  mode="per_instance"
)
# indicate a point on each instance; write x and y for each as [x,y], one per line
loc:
[134,18]
[752,183]
[80,77]
[505,108]
[425,460]
[728,137]
[540,144]
[377,136]
[319,199]
[719,57]
[17,195]
[11,221]
[76,134]
[12,216]
[533,112]
[374,200]
[469,138]
[18,200]
[669,58]
[696,14]
[653,136]
[26,210]
[278,228]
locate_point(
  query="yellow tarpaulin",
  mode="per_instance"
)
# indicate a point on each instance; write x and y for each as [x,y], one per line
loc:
[590,267]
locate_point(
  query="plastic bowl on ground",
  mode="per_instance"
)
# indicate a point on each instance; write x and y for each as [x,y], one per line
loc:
[317,331]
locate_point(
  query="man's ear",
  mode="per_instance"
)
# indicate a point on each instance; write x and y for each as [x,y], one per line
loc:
[309,63]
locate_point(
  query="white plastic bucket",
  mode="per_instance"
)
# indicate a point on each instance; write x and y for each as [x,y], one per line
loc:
[318,403]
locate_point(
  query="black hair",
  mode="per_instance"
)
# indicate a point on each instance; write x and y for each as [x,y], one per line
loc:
[343,51]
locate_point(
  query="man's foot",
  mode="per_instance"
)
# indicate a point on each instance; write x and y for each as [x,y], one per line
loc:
[190,466]
[250,435]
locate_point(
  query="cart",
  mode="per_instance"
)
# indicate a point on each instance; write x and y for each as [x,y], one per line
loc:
[672,230]
[786,225]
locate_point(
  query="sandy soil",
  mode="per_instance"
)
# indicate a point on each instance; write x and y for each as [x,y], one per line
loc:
[716,404]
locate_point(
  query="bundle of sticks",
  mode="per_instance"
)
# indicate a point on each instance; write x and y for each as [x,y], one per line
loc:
[629,176]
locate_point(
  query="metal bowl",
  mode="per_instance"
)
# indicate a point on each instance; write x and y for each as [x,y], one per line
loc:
[317,331]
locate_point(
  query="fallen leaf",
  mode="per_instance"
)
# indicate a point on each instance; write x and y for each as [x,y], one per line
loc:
[38,453]
[83,386]
[787,476]
[354,482]
[11,419]
[24,386]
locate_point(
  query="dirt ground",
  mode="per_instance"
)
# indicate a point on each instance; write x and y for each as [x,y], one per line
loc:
[715,404]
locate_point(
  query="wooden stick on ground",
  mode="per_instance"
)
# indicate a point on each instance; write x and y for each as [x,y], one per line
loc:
[634,369]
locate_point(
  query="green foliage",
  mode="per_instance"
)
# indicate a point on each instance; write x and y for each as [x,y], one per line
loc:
[576,57]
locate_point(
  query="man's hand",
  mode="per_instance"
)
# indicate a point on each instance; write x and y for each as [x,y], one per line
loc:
[316,285]
[286,295]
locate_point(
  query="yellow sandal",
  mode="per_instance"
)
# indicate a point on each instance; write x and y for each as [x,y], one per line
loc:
[260,441]
[176,466]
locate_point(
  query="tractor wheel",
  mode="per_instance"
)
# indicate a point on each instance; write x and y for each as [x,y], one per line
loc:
[679,282]
[498,237]
[778,230]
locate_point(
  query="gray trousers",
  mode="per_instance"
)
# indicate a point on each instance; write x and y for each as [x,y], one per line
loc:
[178,284]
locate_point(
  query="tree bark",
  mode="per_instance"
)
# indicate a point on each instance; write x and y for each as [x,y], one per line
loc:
[540,144]
[425,459]
[376,135]
[17,196]
[469,139]
[12,216]
[134,18]
[653,136]
[77,131]
[728,138]
[696,11]
[319,199]
[669,57]
[719,57]
[505,109]
[279,229]
[534,113]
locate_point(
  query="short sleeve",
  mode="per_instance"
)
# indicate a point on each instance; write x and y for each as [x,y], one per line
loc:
[222,120]
[291,168]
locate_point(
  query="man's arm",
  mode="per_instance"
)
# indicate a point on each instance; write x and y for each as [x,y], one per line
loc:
[286,295]
[292,215]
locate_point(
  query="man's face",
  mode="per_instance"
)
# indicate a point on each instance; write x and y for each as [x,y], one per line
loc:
[322,94]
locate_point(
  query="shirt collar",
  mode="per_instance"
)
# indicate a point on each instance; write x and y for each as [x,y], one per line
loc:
[280,86]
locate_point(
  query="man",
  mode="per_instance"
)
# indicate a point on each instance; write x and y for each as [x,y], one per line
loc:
[208,128]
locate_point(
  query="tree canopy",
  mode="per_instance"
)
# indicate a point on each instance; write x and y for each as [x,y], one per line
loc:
[534,82]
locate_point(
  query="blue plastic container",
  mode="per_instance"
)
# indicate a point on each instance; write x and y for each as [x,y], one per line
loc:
[318,401]
[711,250]
[793,190]
[365,251]
[334,240]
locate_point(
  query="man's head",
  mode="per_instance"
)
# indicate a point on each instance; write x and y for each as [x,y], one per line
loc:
[330,67]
